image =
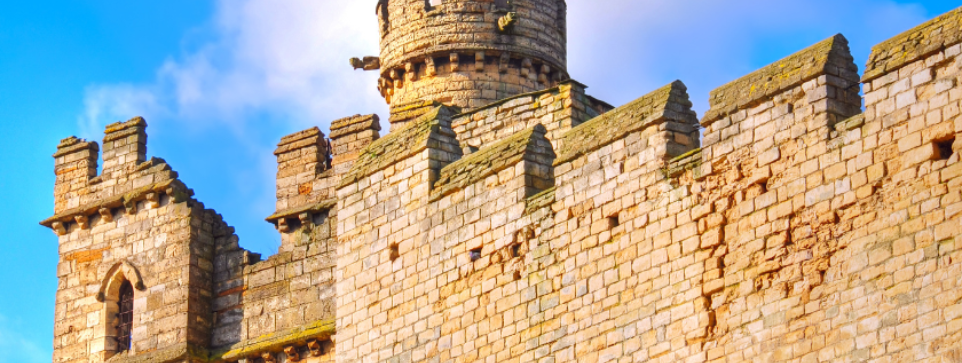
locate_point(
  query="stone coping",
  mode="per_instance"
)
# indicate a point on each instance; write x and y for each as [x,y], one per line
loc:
[72,144]
[121,130]
[293,212]
[540,200]
[299,140]
[180,190]
[687,161]
[491,160]
[353,124]
[670,102]
[407,141]
[917,43]
[776,77]
[275,342]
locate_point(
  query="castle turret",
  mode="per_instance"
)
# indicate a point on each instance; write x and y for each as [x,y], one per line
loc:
[467,53]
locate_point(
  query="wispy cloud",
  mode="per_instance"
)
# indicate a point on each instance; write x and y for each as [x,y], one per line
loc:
[18,348]
[286,59]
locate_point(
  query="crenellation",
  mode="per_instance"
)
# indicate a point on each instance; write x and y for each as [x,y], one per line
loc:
[508,216]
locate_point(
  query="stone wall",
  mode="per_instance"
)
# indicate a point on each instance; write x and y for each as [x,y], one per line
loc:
[801,230]
[549,227]
[136,222]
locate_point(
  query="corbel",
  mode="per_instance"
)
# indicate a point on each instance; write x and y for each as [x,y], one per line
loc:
[282,225]
[291,352]
[505,60]
[130,206]
[455,64]
[431,71]
[58,228]
[81,221]
[409,72]
[479,62]
[315,347]
[176,195]
[106,215]
[525,67]
[153,200]
[306,220]
[543,76]
[268,357]
[396,76]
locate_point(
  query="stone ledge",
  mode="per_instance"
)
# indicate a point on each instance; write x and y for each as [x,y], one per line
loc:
[180,190]
[294,212]
[540,200]
[275,342]
[822,58]
[915,44]
[493,159]
[181,352]
[668,102]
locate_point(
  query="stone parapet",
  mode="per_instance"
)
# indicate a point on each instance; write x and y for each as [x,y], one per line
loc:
[828,58]
[932,37]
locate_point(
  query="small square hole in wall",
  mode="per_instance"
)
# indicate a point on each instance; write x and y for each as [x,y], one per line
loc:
[614,221]
[943,149]
[475,254]
[516,250]
[395,251]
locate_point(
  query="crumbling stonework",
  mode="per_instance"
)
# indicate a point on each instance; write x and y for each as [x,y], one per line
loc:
[542,225]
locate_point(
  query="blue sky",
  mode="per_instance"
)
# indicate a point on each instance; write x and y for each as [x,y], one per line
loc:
[221,81]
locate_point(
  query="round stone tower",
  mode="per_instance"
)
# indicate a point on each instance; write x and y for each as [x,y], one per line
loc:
[468,53]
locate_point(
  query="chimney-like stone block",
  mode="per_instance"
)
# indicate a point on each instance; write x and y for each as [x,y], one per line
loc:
[75,162]
[125,146]
[349,136]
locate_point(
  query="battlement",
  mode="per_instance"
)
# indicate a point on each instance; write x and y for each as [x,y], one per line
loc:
[540,224]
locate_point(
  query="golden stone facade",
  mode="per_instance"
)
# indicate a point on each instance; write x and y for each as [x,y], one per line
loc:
[510,217]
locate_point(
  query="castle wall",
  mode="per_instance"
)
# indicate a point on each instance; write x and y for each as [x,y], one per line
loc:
[548,227]
[801,230]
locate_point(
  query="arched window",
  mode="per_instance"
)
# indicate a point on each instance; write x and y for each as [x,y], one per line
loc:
[125,316]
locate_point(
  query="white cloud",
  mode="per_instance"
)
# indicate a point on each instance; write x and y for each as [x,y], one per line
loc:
[286,59]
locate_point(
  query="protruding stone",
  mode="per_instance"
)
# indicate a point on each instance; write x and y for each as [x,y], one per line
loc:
[292,355]
[479,62]
[106,215]
[431,71]
[455,63]
[81,221]
[526,67]
[503,63]
[409,72]
[282,225]
[315,347]
[58,228]
[153,200]
[268,357]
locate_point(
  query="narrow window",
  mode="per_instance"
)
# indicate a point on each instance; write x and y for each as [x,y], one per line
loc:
[516,250]
[125,316]
[943,149]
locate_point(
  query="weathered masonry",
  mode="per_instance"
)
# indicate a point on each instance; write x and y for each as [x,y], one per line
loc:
[510,217]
